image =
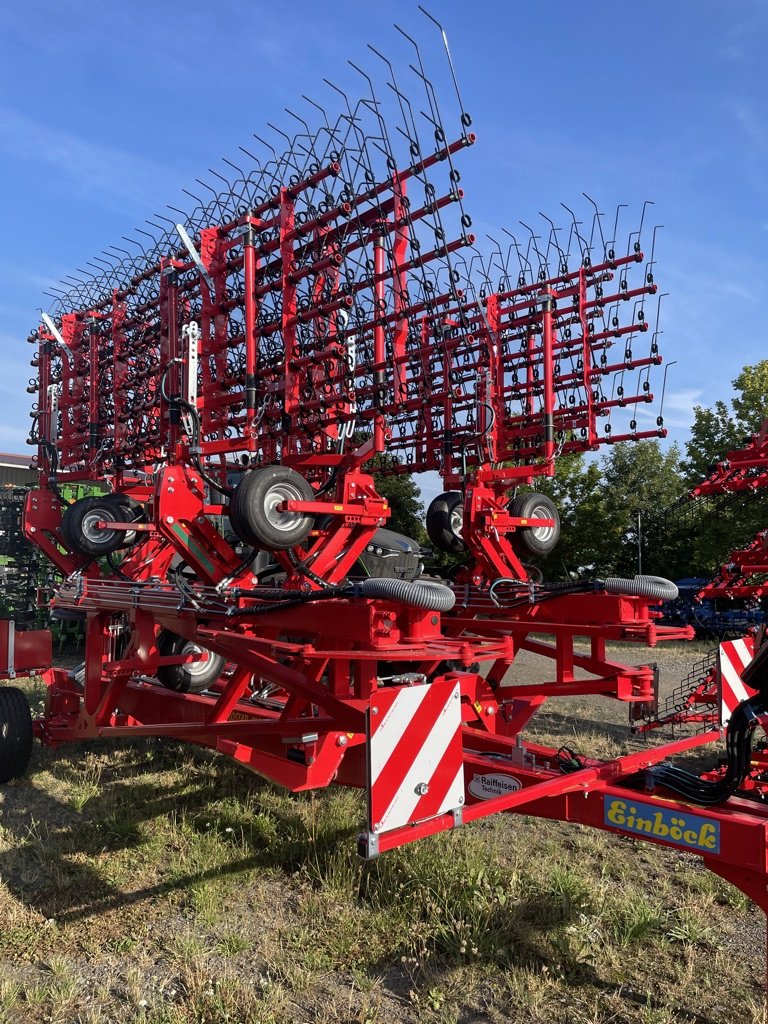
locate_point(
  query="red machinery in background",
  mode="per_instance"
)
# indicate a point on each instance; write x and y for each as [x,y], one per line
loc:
[713,689]
[229,386]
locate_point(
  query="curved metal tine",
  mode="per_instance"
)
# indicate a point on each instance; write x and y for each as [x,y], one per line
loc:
[430,89]
[387,150]
[521,259]
[373,105]
[112,265]
[219,200]
[401,99]
[352,126]
[194,215]
[596,221]
[612,242]
[162,242]
[271,175]
[290,157]
[656,332]
[254,182]
[404,103]
[464,115]
[308,136]
[581,241]
[664,387]
[212,190]
[132,241]
[552,240]
[543,266]
[266,145]
[241,181]
[500,261]
[638,233]
[651,259]
[434,115]
[435,119]
[326,126]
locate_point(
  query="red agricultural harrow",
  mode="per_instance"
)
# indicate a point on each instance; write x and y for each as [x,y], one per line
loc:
[229,384]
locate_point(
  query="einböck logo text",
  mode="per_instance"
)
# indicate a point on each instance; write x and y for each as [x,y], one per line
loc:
[690,830]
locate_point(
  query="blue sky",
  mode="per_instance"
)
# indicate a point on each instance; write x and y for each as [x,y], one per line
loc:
[107,110]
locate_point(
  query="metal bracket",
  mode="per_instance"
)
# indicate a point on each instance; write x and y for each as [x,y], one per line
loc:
[53,406]
[11,649]
[191,332]
[368,846]
[58,336]
[190,247]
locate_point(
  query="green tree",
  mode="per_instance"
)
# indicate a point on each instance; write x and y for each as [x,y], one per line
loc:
[639,480]
[599,503]
[713,433]
[577,493]
[718,430]
[715,526]
[404,497]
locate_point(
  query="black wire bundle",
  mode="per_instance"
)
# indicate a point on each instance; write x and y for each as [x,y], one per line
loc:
[738,741]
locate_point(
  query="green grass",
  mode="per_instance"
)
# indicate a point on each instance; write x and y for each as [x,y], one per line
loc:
[148,882]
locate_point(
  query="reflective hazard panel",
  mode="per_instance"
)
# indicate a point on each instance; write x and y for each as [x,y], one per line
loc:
[733,657]
[415,762]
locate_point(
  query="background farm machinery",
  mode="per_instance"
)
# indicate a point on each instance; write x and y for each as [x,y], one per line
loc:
[728,605]
[227,388]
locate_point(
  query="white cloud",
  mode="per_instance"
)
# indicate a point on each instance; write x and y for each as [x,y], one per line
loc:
[98,171]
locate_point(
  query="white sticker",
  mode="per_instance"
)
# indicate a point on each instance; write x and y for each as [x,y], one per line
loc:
[486,787]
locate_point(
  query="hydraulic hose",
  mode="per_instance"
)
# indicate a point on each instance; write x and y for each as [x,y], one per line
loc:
[738,744]
[426,594]
[642,586]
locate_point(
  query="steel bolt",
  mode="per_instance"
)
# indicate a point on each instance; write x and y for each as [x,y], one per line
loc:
[421,789]
[374,711]
[342,741]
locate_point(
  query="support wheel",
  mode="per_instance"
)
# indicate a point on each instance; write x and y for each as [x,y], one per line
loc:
[255,511]
[445,521]
[15,733]
[192,676]
[80,529]
[535,540]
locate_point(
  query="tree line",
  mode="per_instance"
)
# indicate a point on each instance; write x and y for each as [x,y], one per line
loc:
[628,508]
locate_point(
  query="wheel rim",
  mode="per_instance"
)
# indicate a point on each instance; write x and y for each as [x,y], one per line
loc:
[275,496]
[457,521]
[196,668]
[90,529]
[543,534]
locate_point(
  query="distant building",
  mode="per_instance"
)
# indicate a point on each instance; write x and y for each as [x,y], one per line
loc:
[15,471]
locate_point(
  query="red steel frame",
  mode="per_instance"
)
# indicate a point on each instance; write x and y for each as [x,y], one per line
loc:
[315,328]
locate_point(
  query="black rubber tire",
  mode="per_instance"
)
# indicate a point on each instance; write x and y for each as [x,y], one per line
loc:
[236,520]
[253,512]
[15,733]
[445,517]
[532,540]
[78,525]
[191,677]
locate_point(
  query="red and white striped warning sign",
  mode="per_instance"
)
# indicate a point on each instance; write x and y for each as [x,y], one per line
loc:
[733,657]
[415,766]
